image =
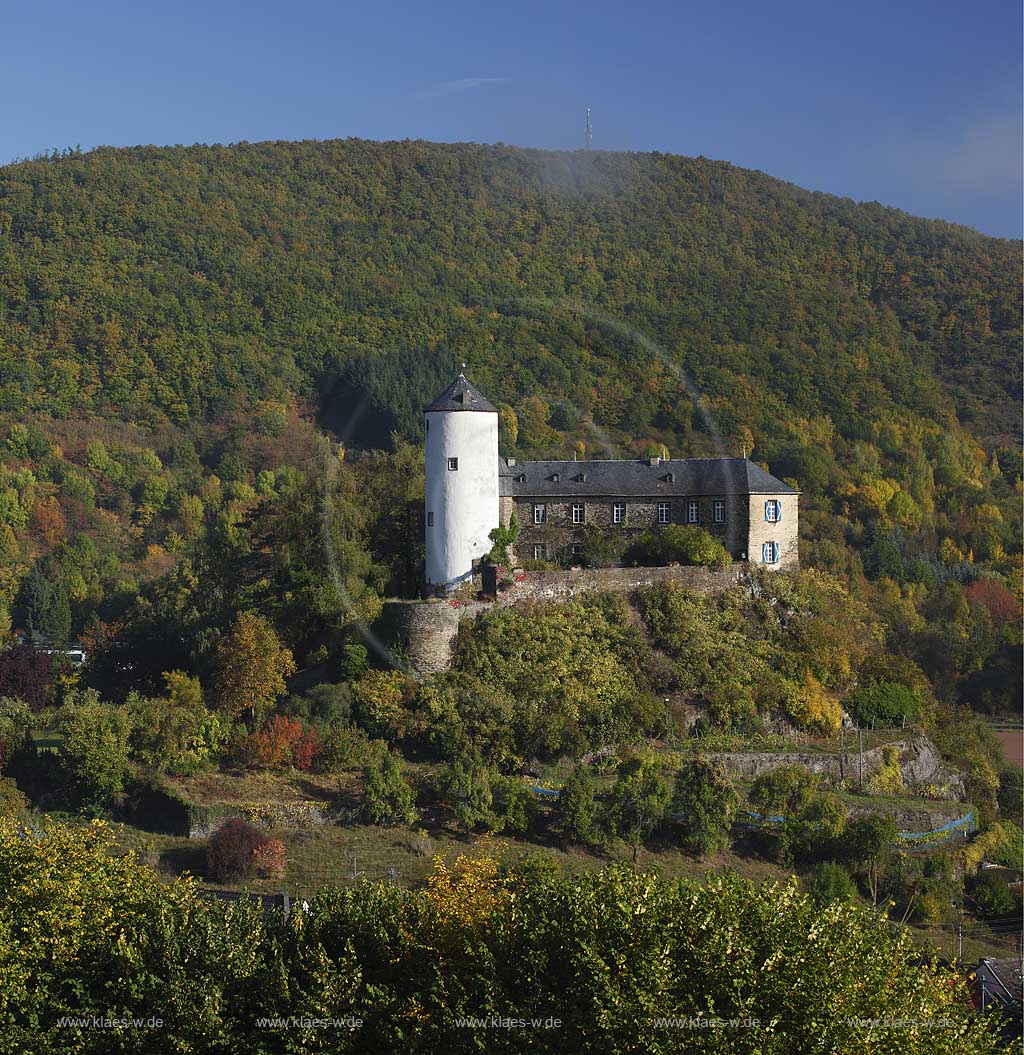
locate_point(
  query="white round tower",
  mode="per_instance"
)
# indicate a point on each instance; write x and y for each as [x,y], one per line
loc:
[462,483]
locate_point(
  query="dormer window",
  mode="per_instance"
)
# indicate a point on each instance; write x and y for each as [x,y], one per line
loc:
[453,465]
[521,478]
[581,478]
[554,478]
[669,478]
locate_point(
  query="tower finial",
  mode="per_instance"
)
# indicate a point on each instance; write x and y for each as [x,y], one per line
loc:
[463,365]
[588,134]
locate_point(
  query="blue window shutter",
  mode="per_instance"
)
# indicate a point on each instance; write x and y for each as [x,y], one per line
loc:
[768,511]
[775,553]
[778,511]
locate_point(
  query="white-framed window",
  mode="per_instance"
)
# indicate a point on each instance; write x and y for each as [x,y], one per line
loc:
[773,511]
[718,511]
[618,512]
[577,512]
[693,512]
[430,520]
[540,551]
[664,512]
[770,553]
[540,514]
[453,465]
[577,549]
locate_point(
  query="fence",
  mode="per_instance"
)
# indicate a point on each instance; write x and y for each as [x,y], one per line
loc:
[909,840]
[938,836]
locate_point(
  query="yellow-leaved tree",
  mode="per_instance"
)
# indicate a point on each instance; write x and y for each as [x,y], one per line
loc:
[251,667]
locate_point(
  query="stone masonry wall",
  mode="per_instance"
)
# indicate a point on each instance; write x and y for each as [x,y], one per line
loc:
[425,631]
[919,764]
[564,585]
[641,515]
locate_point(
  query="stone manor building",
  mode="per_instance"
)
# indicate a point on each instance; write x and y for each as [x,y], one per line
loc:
[470,489]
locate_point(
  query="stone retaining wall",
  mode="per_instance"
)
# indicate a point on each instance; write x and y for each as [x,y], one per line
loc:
[205,818]
[919,764]
[425,631]
[564,585]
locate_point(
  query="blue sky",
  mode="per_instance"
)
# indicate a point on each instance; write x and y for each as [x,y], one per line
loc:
[914,104]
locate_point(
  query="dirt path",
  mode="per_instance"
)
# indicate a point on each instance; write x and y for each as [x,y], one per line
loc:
[1012,743]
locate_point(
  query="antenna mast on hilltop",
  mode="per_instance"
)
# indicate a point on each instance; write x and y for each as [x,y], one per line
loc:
[588,135]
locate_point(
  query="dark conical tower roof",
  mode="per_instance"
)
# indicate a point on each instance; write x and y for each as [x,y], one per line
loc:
[461,395]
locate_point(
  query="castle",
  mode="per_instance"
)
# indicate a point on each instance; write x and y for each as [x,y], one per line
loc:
[470,490]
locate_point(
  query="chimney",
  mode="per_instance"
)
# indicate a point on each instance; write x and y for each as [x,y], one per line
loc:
[654,461]
[510,462]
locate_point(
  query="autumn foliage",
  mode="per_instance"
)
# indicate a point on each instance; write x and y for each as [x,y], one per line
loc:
[251,667]
[230,853]
[270,859]
[993,595]
[282,741]
[606,953]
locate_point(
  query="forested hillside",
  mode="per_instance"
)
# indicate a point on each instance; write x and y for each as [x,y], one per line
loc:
[179,328]
[167,283]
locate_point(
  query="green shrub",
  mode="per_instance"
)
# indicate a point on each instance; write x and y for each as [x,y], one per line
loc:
[638,802]
[12,802]
[468,788]
[327,702]
[831,882]
[993,896]
[599,549]
[515,804]
[704,805]
[579,808]
[95,745]
[677,544]
[883,704]
[548,679]
[1011,791]
[1009,851]
[355,661]
[503,537]
[813,818]
[388,798]
[786,789]
[345,746]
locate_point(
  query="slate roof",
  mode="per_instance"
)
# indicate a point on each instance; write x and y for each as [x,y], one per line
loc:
[638,479]
[461,395]
[1003,980]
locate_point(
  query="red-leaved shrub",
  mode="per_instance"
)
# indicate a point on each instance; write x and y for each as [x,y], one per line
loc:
[270,859]
[229,852]
[307,750]
[273,746]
